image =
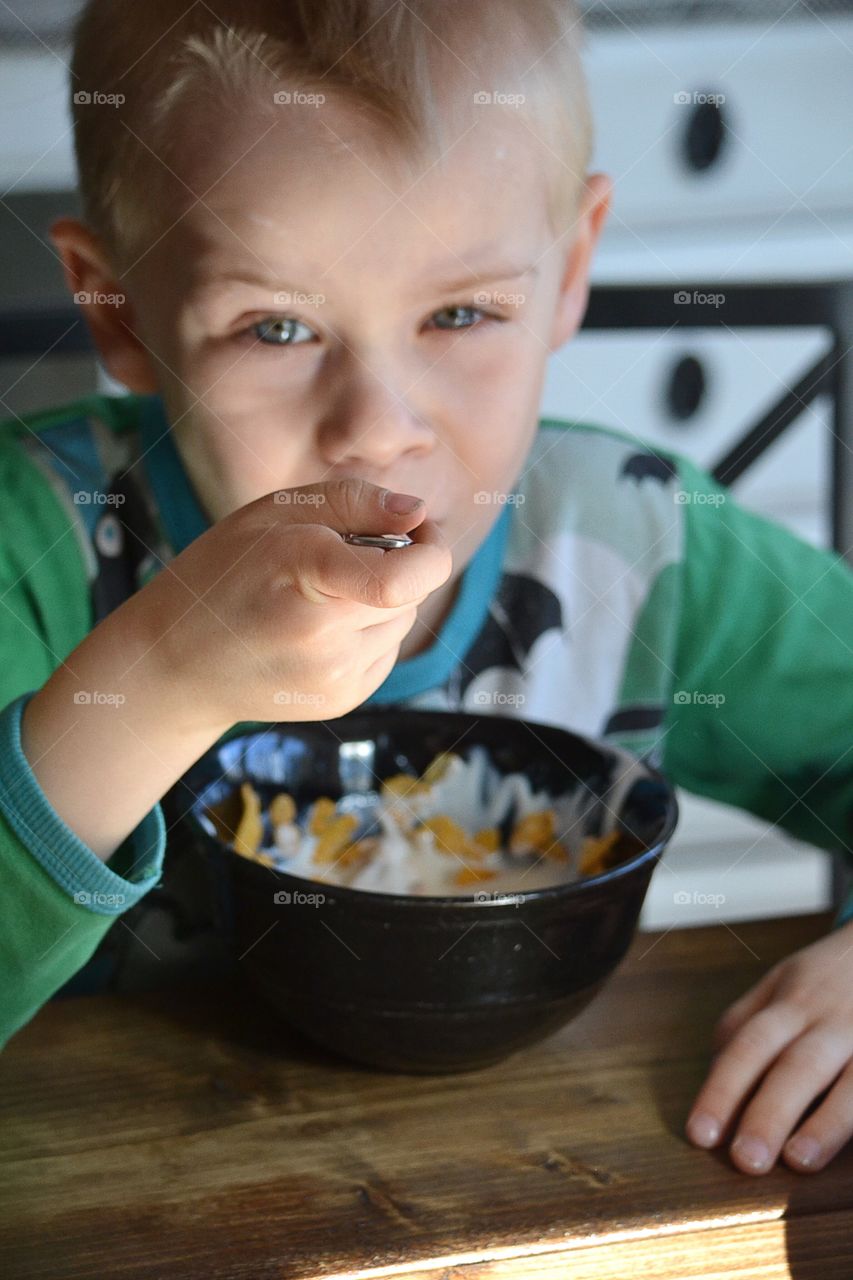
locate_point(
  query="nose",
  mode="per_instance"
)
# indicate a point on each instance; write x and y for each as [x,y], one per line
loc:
[370,423]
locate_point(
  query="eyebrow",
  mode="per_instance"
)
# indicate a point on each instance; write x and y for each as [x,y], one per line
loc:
[487,275]
[500,271]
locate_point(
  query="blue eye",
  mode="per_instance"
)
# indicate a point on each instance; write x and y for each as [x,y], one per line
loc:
[285,331]
[279,333]
[459,317]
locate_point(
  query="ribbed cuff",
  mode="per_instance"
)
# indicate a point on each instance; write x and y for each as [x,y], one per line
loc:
[63,855]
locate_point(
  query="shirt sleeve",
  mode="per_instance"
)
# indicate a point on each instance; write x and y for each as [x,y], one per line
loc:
[59,898]
[761,715]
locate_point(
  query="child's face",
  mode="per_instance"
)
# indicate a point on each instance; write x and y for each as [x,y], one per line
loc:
[365,374]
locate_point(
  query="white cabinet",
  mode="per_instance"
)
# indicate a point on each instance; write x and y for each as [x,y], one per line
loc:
[776,204]
[785,94]
[623,379]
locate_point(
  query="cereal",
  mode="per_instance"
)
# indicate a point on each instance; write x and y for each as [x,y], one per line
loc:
[597,854]
[534,833]
[448,835]
[557,852]
[250,829]
[411,843]
[488,839]
[473,875]
[404,784]
[402,795]
[334,835]
[322,813]
[435,771]
[359,852]
[282,809]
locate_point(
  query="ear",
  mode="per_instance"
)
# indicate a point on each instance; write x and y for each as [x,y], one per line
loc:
[574,287]
[102,299]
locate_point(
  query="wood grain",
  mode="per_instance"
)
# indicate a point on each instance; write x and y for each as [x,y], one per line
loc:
[186,1134]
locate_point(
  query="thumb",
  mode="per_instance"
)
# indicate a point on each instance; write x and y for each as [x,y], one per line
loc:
[351,506]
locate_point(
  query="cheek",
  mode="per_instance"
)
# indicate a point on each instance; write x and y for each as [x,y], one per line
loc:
[233,459]
[228,370]
[505,374]
[245,423]
[265,398]
[498,412]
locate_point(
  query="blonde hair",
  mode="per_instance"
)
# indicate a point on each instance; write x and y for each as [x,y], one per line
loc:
[138,70]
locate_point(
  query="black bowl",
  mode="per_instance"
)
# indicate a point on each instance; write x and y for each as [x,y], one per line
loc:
[430,984]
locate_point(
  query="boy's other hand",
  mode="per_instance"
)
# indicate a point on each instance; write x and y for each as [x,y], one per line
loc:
[270,615]
[782,1045]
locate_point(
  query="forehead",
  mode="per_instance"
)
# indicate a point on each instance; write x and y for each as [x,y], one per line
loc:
[318,188]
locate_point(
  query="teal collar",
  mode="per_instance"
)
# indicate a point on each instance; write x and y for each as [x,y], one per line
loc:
[180,510]
[461,627]
[184,520]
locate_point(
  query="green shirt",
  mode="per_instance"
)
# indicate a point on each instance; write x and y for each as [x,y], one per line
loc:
[620,593]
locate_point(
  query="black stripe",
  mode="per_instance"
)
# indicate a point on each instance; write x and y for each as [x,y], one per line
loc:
[630,718]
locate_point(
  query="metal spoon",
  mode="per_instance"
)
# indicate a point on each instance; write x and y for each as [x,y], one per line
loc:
[385,541]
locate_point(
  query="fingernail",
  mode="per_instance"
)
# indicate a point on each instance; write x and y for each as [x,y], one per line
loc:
[703,1128]
[803,1149]
[400,504]
[751,1151]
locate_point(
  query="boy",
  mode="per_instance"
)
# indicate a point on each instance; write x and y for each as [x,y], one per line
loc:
[293,257]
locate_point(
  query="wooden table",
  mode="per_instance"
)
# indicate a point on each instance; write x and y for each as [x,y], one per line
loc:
[186,1136]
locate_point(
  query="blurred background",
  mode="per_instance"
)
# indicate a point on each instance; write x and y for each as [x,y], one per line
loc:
[720,324]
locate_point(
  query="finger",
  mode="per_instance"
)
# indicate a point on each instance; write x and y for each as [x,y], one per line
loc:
[381,666]
[325,567]
[826,1131]
[406,616]
[802,1071]
[380,645]
[348,506]
[380,637]
[737,1069]
[377,672]
[743,1009]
